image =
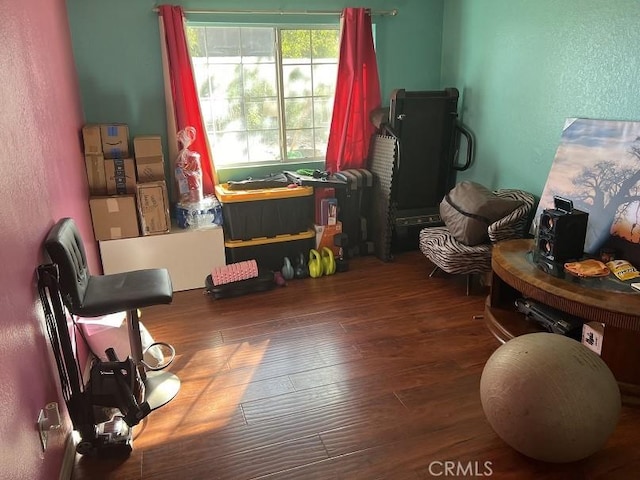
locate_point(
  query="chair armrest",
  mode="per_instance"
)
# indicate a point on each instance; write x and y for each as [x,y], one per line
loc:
[514,224]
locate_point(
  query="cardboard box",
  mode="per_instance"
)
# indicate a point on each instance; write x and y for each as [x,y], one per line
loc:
[149,158]
[593,336]
[324,237]
[115,140]
[147,146]
[91,139]
[120,175]
[150,169]
[96,177]
[153,207]
[114,217]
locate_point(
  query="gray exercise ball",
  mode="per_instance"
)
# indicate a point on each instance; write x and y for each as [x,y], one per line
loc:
[550,397]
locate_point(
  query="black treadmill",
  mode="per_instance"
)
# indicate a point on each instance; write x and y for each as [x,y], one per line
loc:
[414,161]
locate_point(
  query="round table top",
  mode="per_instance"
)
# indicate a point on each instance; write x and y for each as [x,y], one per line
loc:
[513,261]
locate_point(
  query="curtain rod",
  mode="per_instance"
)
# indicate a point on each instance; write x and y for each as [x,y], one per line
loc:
[384,13]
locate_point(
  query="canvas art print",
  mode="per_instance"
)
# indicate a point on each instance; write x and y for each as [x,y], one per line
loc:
[597,166]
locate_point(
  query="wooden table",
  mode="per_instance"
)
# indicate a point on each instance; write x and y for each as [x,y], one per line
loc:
[605,300]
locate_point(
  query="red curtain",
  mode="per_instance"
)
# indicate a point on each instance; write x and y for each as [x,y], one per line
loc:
[357,94]
[183,89]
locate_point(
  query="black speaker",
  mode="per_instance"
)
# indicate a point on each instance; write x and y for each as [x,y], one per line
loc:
[561,234]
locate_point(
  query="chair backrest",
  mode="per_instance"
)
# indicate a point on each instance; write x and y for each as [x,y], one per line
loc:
[64,246]
[515,224]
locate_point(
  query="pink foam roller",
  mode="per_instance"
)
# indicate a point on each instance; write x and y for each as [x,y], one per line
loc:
[234,272]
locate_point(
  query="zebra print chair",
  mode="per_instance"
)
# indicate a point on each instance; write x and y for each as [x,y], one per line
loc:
[454,257]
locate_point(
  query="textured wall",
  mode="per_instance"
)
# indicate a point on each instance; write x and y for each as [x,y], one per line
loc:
[41,179]
[524,66]
[121,73]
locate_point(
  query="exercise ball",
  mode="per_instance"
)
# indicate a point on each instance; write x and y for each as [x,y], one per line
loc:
[550,397]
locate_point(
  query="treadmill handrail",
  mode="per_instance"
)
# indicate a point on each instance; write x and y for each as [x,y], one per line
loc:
[469,136]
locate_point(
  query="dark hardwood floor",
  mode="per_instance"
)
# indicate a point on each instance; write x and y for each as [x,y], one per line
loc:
[369,374]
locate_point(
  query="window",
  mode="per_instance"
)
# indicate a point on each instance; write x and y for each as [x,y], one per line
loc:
[266,92]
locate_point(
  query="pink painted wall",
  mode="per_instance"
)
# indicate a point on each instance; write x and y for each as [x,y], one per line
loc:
[42,179]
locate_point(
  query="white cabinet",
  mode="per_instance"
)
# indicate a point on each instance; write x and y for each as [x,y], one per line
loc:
[189,255]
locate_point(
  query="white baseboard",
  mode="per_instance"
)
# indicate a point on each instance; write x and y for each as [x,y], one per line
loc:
[69,457]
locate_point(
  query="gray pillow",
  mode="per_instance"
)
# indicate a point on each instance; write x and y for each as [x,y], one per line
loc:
[469,208]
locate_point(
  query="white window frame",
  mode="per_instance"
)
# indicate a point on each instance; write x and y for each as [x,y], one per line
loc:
[284,158]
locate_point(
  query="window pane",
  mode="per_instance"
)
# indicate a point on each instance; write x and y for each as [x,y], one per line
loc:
[202,78]
[222,42]
[321,141]
[229,148]
[325,45]
[260,81]
[207,112]
[298,113]
[322,111]
[296,46]
[262,114]
[196,38]
[300,144]
[297,80]
[264,146]
[219,81]
[258,45]
[324,79]
[228,114]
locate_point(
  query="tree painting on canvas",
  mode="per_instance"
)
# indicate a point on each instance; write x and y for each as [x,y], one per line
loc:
[597,166]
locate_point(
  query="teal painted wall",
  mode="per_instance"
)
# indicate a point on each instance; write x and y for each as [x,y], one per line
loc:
[523,66]
[117,53]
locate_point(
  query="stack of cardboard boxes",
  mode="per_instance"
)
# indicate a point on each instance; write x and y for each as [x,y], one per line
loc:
[121,206]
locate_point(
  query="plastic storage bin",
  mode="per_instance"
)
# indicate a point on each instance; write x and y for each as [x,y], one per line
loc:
[270,252]
[265,213]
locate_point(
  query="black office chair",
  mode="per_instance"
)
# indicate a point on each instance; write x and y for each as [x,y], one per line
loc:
[89,295]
